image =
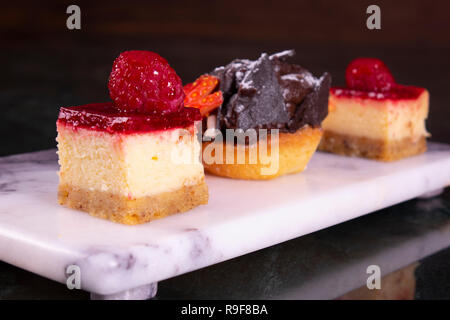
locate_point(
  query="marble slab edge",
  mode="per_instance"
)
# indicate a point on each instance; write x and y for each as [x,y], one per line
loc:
[108,270]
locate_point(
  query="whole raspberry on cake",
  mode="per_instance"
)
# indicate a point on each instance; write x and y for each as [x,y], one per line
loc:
[143,80]
[135,159]
[374,117]
[278,103]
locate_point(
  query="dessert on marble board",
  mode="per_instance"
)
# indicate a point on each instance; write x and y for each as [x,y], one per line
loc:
[137,158]
[374,117]
[268,93]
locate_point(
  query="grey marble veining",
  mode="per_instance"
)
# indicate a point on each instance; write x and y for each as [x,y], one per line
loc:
[242,216]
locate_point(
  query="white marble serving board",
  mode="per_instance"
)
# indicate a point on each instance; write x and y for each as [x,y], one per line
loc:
[38,235]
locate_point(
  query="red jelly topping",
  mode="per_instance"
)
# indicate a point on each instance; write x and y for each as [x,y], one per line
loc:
[369,78]
[106,117]
[398,92]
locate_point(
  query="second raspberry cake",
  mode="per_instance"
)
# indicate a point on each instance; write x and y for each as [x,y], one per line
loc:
[374,117]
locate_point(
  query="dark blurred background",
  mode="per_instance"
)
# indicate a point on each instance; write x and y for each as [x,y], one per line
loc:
[45,65]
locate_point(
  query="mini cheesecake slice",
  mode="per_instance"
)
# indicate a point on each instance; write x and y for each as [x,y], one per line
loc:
[137,158]
[129,167]
[373,117]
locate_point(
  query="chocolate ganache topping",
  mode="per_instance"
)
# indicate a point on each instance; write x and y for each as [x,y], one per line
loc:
[270,93]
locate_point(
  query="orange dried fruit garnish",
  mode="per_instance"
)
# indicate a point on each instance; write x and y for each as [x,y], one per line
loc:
[200,94]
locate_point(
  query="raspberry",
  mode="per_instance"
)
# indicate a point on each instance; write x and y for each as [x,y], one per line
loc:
[143,81]
[368,74]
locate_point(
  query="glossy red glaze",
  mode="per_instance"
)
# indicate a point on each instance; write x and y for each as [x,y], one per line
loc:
[106,117]
[398,92]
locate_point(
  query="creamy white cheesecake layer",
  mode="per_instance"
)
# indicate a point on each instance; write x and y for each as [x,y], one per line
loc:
[133,165]
[378,119]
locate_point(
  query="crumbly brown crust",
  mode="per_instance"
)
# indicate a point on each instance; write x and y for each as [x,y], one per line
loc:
[381,150]
[295,150]
[120,209]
